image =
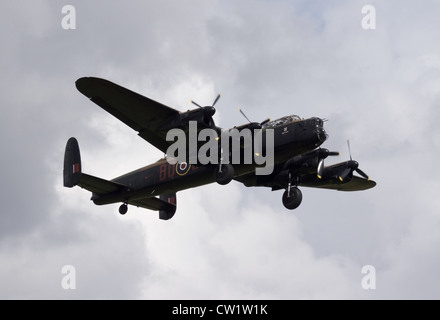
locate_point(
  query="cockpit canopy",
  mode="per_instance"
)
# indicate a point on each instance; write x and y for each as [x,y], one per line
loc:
[282,121]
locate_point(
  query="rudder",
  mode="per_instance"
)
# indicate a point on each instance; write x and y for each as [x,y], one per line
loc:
[72,164]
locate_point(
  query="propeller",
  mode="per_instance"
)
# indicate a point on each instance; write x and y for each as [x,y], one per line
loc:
[352,166]
[258,124]
[209,110]
[212,106]
[322,154]
[208,113]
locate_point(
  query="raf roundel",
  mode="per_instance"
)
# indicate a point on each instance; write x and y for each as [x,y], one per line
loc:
[182,168]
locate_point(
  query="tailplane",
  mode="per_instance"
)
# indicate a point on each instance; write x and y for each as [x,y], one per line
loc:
[107,192]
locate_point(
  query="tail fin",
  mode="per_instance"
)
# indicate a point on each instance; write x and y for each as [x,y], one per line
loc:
[168,213]
[72,164]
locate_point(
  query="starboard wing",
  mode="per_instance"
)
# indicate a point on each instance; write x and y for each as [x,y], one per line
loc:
[140,113]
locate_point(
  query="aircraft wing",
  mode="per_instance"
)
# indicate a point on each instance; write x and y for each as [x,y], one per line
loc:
[355,184]
[99,186]
[138,112]
[102,187]
[279,181]
[153,204]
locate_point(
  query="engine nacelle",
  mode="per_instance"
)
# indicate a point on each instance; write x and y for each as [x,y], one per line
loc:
[203,117]
[309,160]
[169,210]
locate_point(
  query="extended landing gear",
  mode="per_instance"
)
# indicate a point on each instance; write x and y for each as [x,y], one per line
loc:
[292,197]
[224,173]
[123,208]
[293,200]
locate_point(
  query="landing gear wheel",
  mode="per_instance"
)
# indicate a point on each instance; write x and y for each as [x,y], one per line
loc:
[224,173]
[294,200]
[123,209]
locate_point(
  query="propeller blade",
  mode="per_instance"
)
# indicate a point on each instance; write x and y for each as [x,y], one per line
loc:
[320,171]
[244,115]
[324,153]
[254,124]
[345,174]
[349,150]
[216,99]
[363,174]
[198,105]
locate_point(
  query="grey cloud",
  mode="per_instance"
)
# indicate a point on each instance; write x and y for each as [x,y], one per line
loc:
[379,88]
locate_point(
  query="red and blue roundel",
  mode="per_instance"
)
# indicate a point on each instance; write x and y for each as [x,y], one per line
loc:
[182,168]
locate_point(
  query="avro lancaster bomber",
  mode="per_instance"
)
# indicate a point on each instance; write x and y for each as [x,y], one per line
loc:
[290,145]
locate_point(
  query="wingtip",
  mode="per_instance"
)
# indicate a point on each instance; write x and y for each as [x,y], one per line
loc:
[82,79]
[86,84]
[81,83]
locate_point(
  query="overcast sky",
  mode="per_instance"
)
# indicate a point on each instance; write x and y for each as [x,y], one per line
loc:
[380,88]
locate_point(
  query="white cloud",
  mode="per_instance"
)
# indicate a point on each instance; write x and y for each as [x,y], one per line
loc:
[247,251]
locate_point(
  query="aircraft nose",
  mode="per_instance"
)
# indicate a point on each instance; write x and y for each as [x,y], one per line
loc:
[322,135]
